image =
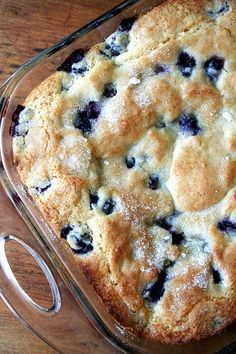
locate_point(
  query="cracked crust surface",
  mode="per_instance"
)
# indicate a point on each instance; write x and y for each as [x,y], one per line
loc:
[196,173]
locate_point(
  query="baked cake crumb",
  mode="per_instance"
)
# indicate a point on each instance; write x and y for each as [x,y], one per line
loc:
[129,151]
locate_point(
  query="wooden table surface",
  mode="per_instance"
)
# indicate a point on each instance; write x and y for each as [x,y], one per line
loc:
[27,27]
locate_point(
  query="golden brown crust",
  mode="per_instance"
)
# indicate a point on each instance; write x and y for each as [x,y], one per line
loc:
[199,175]
[162,152]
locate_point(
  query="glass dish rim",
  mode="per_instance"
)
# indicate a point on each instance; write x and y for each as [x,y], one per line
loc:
[5,92]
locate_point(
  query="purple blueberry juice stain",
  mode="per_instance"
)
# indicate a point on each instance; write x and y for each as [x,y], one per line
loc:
[189,125]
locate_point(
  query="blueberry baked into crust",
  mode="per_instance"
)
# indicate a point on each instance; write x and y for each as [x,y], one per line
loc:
[129,150]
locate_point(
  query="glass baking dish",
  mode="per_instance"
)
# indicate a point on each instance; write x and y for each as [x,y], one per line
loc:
[13,93]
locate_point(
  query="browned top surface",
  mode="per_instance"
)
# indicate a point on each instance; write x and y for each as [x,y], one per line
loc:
[26,28]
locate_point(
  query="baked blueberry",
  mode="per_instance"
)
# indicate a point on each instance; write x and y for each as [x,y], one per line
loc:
[154,291]
[75,57]
[93,109]
[161,68]
[116,44]
[79,68]
[65,231]
[213,67]
[44,186]
[227,225]
[153,182]
[109,90]
[85,118]
[188,124]
[127,24]
[130,162]
[177,237]
[116,49]
[186,63]
[15,131]
[108,206]
[83,244]
[93,199]
[82,122]
[216,276]
[224,7]
[165,223]
[79,241]
[111,50]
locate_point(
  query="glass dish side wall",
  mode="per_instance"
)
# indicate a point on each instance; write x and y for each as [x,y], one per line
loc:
[19,86]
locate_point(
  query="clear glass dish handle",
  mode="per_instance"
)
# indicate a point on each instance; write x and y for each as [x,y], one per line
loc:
[49,324]
[57,325]
[17,300]
[10,289]
[38,319]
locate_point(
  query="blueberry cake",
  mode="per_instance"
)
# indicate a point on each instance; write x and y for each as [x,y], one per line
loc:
[129,151]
